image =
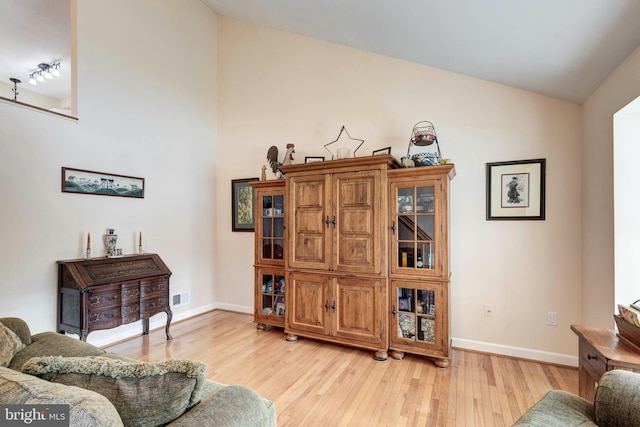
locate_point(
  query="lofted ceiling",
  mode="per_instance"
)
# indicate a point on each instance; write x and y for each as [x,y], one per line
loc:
[560,48]
[564,49]
[33,32]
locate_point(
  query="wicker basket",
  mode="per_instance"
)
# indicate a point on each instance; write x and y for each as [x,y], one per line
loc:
[423,134]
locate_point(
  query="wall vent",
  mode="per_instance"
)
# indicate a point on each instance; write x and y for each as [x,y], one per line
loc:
[182,298]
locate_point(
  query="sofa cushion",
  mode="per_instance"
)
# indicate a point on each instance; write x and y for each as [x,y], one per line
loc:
[53,344]
[10,344]
[143,393]
[86,408]
[230,406]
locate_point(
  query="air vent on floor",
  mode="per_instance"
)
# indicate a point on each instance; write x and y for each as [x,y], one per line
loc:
[181,298]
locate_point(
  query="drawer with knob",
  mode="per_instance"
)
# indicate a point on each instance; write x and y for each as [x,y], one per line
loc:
[591,360]
[108,297]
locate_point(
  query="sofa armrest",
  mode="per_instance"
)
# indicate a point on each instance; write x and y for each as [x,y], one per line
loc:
[617,399]
[231,406]
[18,326]
[558,408]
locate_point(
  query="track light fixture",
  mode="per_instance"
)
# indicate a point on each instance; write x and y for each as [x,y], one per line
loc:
[44,70]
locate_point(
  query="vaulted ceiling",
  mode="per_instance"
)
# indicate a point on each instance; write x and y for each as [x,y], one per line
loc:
[561,48]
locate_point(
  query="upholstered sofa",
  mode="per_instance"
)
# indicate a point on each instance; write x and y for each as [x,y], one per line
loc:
[616,403]
[105,389]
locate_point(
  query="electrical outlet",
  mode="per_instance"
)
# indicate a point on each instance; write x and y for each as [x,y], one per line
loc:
[488,310]
[552,318]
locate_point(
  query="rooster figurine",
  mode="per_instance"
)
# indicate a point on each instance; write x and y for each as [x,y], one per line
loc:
[272,156]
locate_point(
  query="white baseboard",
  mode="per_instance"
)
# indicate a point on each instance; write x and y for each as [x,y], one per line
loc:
[236,308]
[523,353]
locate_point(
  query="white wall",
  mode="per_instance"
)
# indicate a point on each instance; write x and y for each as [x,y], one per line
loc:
[277,88]
[146,108]
[618,90]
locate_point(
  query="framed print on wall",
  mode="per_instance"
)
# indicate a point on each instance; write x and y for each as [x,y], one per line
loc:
[516,190]
[82,181]
[242,204]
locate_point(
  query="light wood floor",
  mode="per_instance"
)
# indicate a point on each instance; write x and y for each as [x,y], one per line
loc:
[320,384]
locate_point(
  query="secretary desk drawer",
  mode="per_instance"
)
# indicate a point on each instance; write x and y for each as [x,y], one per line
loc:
[130,313]
[105,319]
[152,306]
[130,292]
[156,286]
[100,300]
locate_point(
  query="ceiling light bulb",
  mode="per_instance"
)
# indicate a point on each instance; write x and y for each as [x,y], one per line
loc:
[55,72]
[48,75]
[32,81]
[40,78]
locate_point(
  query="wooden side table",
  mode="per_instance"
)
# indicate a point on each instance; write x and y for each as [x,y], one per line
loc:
[601,350]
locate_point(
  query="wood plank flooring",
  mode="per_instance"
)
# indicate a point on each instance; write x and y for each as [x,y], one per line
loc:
[314,383]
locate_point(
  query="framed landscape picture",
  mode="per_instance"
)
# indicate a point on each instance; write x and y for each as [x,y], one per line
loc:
[101,183]
[242,201]
[516,190]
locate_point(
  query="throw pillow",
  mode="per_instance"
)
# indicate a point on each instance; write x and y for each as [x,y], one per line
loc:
[143,393]
[86,408]
[10,344]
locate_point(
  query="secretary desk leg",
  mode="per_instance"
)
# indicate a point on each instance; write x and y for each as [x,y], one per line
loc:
[166,328]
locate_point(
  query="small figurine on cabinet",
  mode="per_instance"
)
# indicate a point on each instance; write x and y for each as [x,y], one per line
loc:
[272,156]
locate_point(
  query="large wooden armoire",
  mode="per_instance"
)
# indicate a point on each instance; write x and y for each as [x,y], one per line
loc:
[354,250]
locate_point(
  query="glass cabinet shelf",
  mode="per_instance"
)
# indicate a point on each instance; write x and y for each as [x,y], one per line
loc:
[269,250]
[272,294]
[416,315]
[414,219]
[272,227]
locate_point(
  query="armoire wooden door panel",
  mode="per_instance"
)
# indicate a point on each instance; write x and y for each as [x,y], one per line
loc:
[309,204]
[419,262]
[358,305]
[418,240]
[418,317]
[357,233]
[308,296]
[271,246]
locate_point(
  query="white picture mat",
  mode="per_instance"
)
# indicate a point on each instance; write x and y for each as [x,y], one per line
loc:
[535,180]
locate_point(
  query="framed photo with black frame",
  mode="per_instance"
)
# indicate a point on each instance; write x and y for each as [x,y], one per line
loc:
[242,202]
[381,151]
[516,190]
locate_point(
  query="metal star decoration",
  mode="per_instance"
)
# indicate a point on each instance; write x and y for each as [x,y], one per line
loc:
[344,130]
